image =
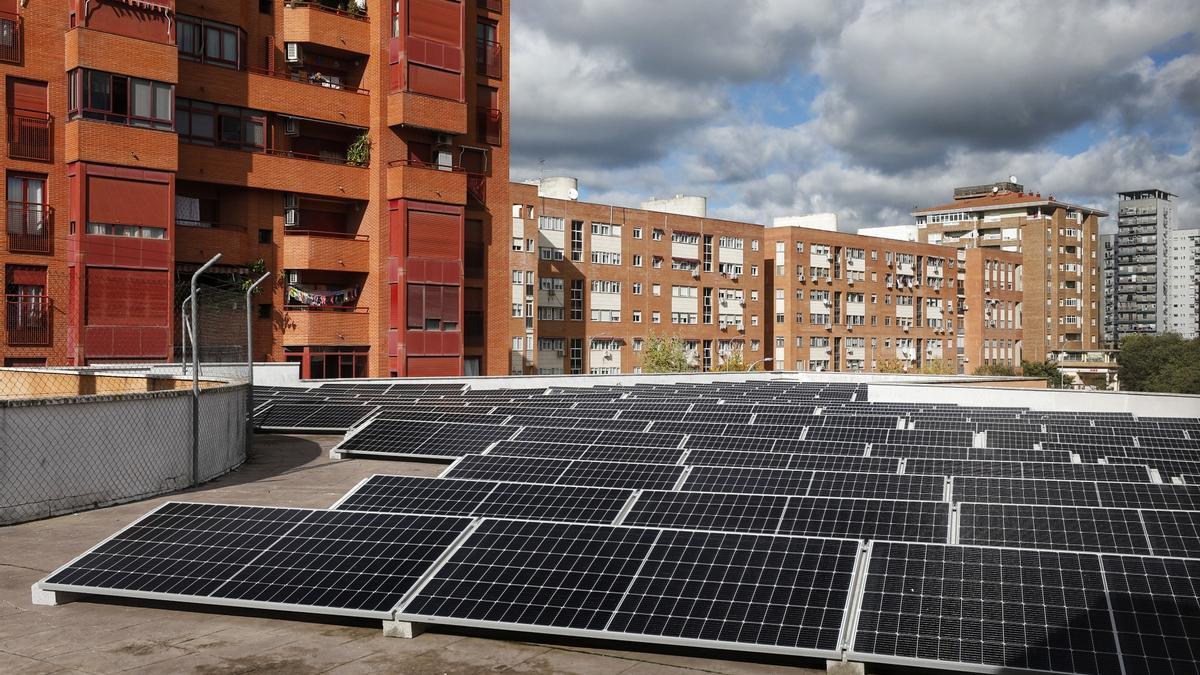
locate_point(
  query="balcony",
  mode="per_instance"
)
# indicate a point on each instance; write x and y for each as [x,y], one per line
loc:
[318,24]
[491,5]
[264,89]
[27,320]
[30,135]
[110,52]
[326,326]
[280,170]
[488,122]
[409,109]
[411,179]
[28,227]
[488,59]
[10,38]
[108,143]
[477,187]
[333,251]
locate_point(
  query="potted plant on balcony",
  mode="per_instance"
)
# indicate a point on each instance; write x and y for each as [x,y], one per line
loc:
[359,152]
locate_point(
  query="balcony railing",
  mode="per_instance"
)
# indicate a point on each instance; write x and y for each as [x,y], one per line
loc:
[29,135]
[27,319]
[488,59]
[313,79]
[477,187]
[28,228]
[488,120]
[353,13]
[10,38]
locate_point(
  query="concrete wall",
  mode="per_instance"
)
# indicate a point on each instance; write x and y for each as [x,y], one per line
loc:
[71,454]
[1143,405]
[17,383]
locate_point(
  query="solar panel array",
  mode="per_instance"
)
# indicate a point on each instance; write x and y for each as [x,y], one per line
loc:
[775,516]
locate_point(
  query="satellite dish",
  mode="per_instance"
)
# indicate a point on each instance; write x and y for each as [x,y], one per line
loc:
[1012,179]
[573,194]
[995,189]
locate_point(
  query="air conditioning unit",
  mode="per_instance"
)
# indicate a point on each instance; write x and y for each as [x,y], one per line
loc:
[443,139]
[733,277]
[695,274]
[725,327]
[293,53]
[850,282]
[800,276]
[828,326]
[741,327]
[291,126]
[905,328]
[826,301]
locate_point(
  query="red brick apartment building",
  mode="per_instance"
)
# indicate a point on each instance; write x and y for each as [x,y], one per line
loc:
[842,301]
[589,283]
[1057,243]
[361,154]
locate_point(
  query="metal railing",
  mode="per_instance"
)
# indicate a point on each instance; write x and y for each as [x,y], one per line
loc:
[488,58]
[347,236]
[355,13]
[477,187]
[29,135]
[10,38]
[310,79]
[422,164]
[27,319]
[489,122]
[28,227]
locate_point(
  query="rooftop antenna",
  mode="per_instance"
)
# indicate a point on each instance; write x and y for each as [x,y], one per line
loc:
[541,169]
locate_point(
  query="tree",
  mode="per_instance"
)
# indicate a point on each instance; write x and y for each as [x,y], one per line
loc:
[996,370]
[939,367]
[734,363]
[665,355]
[1160,363]
[1048,370]
[892,366]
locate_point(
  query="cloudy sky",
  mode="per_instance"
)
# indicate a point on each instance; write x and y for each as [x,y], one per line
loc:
[862,107]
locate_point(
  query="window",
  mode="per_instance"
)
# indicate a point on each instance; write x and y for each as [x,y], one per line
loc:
[655,290]
[684,292]
[637,233]
[552,224]
[210,41]
[549,253]
[753,244]
[656,234]
[518,310]
[754,270]
[577,299]
[577,240]
[637,344]
[264,6]
[116,98]
[264,236]
[637,261]
[550,313]
[333,362]
[655,317]
[754,344]
[264,311]
[606,258]
[685,238]
[27,213]
[208,124]
[732,242]
[683,317]
[137,231]
[637,316]
[518,244]
[600,286]
[637,288]
[606,230]
[656,262]
[606,315]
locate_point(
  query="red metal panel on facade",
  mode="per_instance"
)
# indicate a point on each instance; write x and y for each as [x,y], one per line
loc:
[434,82]
[416,306]
[120,201]
[450,303]
[28,95]
[23,275]
[439,20]
[123,297]
[129,20]
[444,366]
[393,342]
[434,235]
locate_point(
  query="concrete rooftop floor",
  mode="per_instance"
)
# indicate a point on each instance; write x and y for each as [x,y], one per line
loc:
[107,636]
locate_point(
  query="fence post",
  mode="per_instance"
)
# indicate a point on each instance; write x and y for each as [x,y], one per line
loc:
[196,371]
[250,366]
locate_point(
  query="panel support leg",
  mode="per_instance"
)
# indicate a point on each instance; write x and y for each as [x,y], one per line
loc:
[51,598]
[845,668]
[402,629]
[335,454]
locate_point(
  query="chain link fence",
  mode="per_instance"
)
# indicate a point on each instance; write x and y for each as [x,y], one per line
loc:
[117,430]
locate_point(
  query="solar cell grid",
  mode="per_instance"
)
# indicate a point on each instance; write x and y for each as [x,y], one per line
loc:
[845,463]
[966,604]
[732,443]
[975,454]
[313,416]
[1149,495]
[848,434]
[1025,491]
[1167,468]
[553,502]
[549,435]
[1156,609]
[737,458]
[741,589]
[764,431]
[736,479]
[517,469]
[1069,528]
[633,439]
[895,520]
[622,475]
[813,447]
[616,453]
[707,511]
[1043,470]
[540,574]
[415,494]
[519,448]
[877,485]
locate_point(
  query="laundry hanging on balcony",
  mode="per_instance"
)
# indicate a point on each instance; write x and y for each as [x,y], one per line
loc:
[315,298]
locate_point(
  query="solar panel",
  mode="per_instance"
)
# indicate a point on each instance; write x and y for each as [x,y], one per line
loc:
[1025,491]
[715,429]
[334,562]
[517,469]
[622,475]
[313,417]
[1051,470]
[708,511]
[1173,533]
[415,494]
[880,485]
[897,520]
[1150,496]
[536,574]
[734,479]
[736,443]
[519,448]
[741,589]
[612,453]
[399,438]
[1155,604]
[737,458]
[1069,528]
[573,436]
[1167,468]
[993,607]
[554,502]
[841,463]
[978,454]
[645,440]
